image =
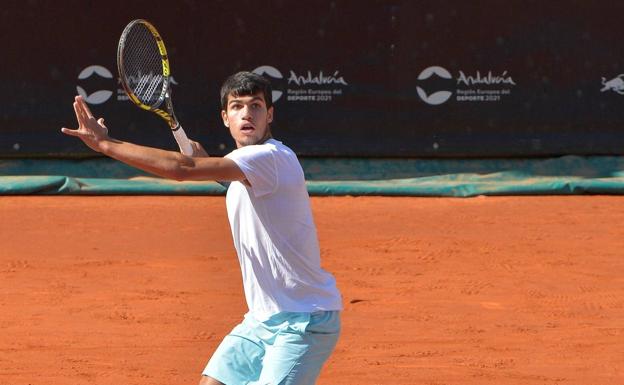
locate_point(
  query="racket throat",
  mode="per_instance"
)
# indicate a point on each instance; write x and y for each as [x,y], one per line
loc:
[175,126]
[173,121]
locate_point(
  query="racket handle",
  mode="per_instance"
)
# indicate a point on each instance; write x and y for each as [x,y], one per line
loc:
[183,141]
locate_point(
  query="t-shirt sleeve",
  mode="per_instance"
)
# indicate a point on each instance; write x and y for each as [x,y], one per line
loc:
[257,162]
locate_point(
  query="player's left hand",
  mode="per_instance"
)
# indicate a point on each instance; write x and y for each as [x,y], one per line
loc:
[92,132]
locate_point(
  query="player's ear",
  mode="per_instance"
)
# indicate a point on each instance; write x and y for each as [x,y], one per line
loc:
[224,116]
[270,115]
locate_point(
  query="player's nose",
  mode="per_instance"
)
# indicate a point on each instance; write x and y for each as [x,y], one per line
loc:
[247,113]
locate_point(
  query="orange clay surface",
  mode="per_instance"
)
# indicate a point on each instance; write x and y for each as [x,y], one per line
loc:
[140,290]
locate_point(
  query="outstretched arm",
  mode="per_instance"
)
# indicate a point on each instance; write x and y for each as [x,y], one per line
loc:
[167,164]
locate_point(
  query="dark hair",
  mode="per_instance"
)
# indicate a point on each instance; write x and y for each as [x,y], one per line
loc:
[245,84]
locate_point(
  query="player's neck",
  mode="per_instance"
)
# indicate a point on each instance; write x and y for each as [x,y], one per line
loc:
[264,139]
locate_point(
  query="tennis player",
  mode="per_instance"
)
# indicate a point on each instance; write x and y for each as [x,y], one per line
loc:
[293,321]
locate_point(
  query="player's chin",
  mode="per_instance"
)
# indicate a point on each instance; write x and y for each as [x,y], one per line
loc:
[247,141]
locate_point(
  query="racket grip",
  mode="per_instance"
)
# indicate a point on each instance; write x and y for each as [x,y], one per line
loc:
[183,141]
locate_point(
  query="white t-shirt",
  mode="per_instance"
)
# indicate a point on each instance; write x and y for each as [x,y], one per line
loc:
[275,236]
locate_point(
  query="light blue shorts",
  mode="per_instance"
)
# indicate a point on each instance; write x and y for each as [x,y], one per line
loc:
[287,349]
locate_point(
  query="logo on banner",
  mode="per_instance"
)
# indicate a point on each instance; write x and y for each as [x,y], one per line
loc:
[271,72]
[91,74]
[476,87]
[437,97]
[100,96]
[307,86]
[616,84]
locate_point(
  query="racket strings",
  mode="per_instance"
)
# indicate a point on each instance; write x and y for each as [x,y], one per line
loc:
[146,64]
[142,63]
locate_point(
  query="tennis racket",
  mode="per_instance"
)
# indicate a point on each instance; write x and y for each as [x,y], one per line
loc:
[145,75]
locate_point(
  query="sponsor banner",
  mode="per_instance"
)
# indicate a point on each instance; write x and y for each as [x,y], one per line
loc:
[399,79]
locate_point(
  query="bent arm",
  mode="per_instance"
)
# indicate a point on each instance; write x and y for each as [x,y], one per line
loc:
[167,164]
[170,164]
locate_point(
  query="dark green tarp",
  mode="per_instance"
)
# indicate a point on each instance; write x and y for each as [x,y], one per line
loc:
[393,177]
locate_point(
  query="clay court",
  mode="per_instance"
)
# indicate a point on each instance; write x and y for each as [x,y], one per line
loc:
[487,290]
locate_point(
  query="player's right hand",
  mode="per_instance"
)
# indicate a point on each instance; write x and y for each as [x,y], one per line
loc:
[92,132]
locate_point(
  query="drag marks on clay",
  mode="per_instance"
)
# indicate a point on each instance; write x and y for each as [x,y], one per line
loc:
[203,335]
[535,294]
[16,266]
[109,262]
[610,331]
[588,288]
[530,378]
[119,315]
[395,354]
[556,305]
[463,330]
[564,263]
[363,284]
[600,301]
[437,285]
[453,287]
[521,329]
[401,247]
[509,267]
[474,287]
[496,363]
[159,295]
[52,293]
[570,301]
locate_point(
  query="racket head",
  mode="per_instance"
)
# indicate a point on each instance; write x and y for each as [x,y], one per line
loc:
[143,64]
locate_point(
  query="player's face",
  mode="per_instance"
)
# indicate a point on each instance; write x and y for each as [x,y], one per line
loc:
[248,119]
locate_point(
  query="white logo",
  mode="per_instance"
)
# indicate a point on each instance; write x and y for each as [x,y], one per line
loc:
[616,84]
[97,97]
[310,87]
[320,79]
[271,72]
[468,88]
[438,97]
[489,79]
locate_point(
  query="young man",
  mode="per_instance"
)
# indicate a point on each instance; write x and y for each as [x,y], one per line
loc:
[293,321]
